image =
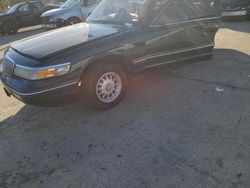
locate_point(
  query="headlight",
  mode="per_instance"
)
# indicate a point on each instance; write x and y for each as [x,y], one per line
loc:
[41,72]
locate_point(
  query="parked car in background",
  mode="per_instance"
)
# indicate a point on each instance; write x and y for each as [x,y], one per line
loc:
[235,8]
[71,12]
[22,15]
[248,9]
[120,38]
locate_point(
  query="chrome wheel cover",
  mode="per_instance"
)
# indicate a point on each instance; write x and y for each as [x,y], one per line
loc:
[109,87]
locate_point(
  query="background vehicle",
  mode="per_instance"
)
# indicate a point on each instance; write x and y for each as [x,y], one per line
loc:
[235,8]
[71,12]
[22,15]
[248,9]
[120,38]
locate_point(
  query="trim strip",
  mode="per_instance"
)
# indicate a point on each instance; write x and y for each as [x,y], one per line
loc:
[39,92]
[173,61]
[168,53]
[187,21]
[234,13]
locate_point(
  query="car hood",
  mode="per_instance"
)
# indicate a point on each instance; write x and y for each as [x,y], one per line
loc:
[4,14]
[53,12]
[63,39]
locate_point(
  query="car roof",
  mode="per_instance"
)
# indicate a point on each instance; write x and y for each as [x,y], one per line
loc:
[34,1]
[18,4]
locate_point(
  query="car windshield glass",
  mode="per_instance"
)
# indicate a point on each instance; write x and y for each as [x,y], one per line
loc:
[118,12]
[71,3]
[13,9]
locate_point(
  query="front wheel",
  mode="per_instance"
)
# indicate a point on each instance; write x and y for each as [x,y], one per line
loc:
[104,86]
[72,21]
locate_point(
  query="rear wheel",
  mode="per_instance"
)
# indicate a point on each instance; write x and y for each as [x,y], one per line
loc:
[10,28]
[72,21]
[104,86]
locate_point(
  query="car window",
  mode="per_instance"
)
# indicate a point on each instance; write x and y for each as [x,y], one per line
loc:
[156,7]
[117,12]
[204,8]
[13,8]
[91,2]
[71,3]
[179,11]
[24,8]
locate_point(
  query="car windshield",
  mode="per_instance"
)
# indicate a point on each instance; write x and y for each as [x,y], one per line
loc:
[118,12]
[13,8]
[71,3]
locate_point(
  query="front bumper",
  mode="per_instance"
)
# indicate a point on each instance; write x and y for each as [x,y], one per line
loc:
[234,13]
[52,24]
[43,92]
[52,96]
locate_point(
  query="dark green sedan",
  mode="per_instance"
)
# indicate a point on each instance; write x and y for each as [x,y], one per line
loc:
[97,58]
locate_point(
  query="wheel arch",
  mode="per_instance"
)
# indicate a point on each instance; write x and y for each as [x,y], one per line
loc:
[110,59]
[7,21]
[74,17]
[11,21]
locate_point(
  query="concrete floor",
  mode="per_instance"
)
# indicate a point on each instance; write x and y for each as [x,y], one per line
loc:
[185,126]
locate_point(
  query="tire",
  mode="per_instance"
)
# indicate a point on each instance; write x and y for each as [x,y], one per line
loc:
[72,21]
[10,28]
[104,86]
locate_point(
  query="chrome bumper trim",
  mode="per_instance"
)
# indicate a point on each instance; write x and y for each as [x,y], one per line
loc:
[142,59]
[234,13]
[39,92]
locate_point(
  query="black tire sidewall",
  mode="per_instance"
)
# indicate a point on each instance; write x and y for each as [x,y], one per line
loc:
[10,28]
[90,81]
[73,19]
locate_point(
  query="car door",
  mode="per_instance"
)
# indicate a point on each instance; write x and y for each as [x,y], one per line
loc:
[205,23]
[175,35]
[25,15]
[37,9]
